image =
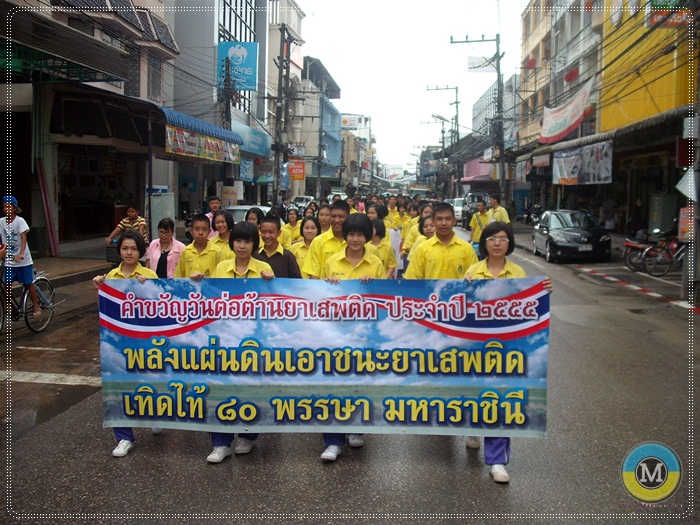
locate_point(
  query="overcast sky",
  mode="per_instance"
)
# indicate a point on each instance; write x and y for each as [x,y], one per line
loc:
[385,54]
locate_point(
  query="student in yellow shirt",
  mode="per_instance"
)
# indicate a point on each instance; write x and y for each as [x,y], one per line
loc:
[323,214]
[354,262]
[401,218]
[223,224]
[199,259]
[426,227]
[244,241]
[445,256]
[413,233]
[478,222]
[329,242]
[293,226]
[131,248]
[310,229]
[497,241]
[384,250]
[497,212]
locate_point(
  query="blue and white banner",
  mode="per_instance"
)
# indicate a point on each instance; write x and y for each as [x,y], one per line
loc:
[423,357]
[238,61]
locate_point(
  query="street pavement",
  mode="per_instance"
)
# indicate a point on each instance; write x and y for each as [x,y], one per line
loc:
[618,376]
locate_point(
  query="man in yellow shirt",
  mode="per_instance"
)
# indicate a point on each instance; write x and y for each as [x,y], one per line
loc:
[201,257]
[479,221]
[330,242]
[497,212]
[444,256]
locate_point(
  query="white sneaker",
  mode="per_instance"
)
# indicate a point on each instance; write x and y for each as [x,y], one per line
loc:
[331,453]
[219,454]
[243,445]
[473,442]
[156,430]
[123,448]
[499,474]
[355,441]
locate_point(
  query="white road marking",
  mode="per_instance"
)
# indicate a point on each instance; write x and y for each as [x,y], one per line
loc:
[41,348]
[533,262]
[50,379]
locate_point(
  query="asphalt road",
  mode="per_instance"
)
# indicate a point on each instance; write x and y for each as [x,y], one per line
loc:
[620,370]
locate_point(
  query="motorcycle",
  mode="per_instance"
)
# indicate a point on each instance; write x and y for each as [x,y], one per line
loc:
[634,253]
[533,215]
[188,223]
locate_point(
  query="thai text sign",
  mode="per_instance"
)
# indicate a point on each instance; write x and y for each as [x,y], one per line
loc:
[558,122]
[190,143]
[423,357]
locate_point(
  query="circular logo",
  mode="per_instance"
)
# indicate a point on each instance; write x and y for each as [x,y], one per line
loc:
[651,472]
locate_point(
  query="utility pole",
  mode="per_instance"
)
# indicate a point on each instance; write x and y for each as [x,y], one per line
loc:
[281,106]
[500,142]
[320,141]
[455,132]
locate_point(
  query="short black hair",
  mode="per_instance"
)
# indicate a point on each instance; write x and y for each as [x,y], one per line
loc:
[246,231]
[442,207]
[166,224]
[340,204]
[200,217]
[255,211]
[272,219]
[213,198]
[379,227]
[492,229]
[421,222]
[227,217]
[424,206]
[310,219]
[496,197]
[136,237]
[357,222]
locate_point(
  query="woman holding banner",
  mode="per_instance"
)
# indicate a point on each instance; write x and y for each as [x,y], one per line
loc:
[496,242]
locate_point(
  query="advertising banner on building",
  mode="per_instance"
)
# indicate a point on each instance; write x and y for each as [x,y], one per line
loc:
[247,170]
[558,122]
[182,141]
[349,121]
[229,196]
[586,165]
[292,355]
[296,168]
[238,65]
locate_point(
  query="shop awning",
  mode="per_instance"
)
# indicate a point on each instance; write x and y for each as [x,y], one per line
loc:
[667,118]
[185,121]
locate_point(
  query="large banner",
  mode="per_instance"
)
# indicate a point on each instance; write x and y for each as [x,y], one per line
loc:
[585,165]
[558,122]
[422,357]
[182,141]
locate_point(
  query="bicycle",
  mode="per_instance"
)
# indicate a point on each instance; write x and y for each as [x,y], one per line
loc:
[23,306]
[660,258]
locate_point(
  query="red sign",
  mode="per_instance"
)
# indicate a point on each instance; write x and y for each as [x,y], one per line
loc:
[296,169]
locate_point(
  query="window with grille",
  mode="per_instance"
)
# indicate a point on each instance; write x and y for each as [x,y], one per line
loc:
[155,78]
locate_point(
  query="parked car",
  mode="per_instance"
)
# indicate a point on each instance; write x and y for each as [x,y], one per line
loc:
[457,205]
[570,235]
[302,201]
[239,211]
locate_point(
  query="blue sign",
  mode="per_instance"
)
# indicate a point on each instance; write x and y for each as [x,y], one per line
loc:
[255,141]
[239,61]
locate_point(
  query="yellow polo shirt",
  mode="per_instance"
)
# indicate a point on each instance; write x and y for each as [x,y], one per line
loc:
[224,248]
[500,214]
[435,260]
[322,248]
[192,261]
[300,251]
[294,232]
[386,254]
[510,271]
[139,270]
[474,223]
[411,237]
[420,240]
[412,221]
[285,238]
[338,266]
[253,271]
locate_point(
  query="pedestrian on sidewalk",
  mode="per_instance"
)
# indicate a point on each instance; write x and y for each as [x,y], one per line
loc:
[19,265]
[497,241]
[131,248]
[132,221]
